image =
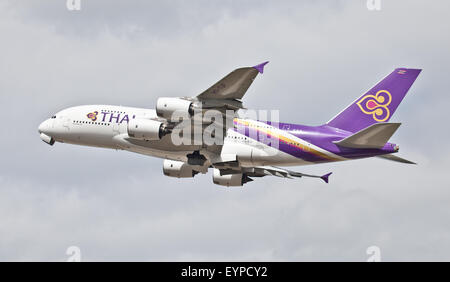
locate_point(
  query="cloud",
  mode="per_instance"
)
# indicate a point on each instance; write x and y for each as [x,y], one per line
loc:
[119,206]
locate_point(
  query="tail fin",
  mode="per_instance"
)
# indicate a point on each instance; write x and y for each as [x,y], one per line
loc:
[378,104]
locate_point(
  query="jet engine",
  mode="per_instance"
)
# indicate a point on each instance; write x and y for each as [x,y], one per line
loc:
[47,139]
[178,169]
[146,129]
[237,179]
[166,106]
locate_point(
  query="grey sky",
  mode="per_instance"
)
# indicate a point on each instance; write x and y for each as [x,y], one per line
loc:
[119,206]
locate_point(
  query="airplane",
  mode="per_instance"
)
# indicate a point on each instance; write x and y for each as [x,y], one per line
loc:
[361,130]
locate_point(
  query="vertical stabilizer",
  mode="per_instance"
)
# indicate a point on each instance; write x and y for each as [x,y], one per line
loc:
[378,104]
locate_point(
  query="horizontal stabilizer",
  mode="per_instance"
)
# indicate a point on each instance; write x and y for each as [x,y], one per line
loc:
[372,137]
[396,159]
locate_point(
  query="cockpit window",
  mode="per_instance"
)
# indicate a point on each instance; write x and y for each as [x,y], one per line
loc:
[53,116]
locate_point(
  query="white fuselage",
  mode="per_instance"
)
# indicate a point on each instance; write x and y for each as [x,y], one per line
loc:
[106,126]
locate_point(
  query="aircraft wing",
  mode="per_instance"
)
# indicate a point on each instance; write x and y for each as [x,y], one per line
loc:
[226,94]
[261,171]
[281,172]
[234,85]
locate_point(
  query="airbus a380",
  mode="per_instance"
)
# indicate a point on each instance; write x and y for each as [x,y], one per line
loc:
[248,148]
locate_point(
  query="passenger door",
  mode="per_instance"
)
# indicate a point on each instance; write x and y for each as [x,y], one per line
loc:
[115,127]
[66,122]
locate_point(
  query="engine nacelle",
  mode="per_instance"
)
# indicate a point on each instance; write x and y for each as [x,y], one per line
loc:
[146,129]
[166,106]
[47,139]
[178,169]
[237,179]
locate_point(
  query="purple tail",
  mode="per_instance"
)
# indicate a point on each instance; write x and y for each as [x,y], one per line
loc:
[378,104]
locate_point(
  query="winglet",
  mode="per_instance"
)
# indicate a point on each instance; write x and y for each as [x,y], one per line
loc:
[260,67]
[325,177]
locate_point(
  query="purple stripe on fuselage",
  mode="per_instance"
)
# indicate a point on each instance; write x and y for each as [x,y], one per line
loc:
[320,136]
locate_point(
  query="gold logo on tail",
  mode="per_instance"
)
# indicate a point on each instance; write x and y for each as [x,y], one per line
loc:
[376,105]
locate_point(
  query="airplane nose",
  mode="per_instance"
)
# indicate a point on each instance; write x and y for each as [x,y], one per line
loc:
[43,127]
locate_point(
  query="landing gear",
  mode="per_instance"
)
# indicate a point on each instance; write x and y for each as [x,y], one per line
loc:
[196,158]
